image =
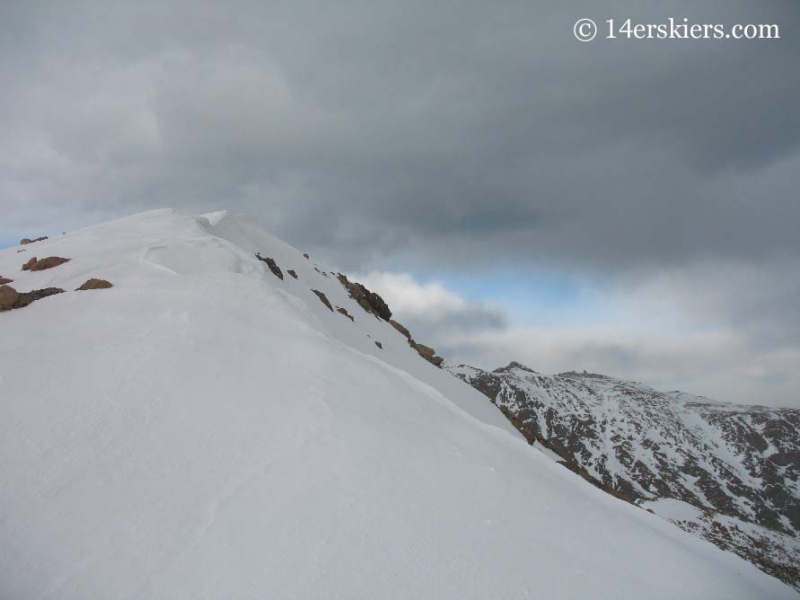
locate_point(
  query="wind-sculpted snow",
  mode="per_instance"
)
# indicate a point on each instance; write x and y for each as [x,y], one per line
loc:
[739,464]
[204,429]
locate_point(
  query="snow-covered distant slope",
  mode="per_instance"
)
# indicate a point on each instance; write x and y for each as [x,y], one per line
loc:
[204,429]
[725,471]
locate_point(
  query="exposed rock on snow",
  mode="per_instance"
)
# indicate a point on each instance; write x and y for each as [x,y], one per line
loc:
[401,329]
[25,298]
[5,280]
[424,351]
[25,241]
[95,284]
[375,305]
[379,345]
[369,301]
[8,297]
[324,299]
[427,353]
[272,265]
[292,272]
[345,313]
[48,263]
[11,299]
[35,264]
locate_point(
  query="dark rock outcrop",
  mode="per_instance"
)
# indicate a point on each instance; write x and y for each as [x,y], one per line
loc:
[424,351]
[379,345]
[375,305]
[369,301]
[345,313]
[23,299]
[324,299]
[25,241]
[427,353]
[35,264]
[305,255]
[400,328]
[273,266]
[5,280]
[292,273]
[95,284]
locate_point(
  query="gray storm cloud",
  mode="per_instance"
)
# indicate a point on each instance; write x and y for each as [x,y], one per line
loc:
[456,135]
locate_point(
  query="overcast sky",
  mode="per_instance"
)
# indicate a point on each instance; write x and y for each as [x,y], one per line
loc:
[622,206]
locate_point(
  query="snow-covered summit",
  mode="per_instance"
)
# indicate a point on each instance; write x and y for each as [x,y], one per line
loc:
[205,429]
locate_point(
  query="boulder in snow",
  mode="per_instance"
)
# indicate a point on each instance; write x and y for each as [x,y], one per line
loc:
[8,297]
[46,263]
[95,284]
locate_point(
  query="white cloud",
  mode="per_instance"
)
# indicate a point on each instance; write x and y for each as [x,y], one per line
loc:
[660,331]
[434,314]
[411,298]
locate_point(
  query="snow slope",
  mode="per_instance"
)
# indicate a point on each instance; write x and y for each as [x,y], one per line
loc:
[206,430]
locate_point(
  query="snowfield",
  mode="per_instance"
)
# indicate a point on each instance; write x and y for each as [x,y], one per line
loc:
[205,430]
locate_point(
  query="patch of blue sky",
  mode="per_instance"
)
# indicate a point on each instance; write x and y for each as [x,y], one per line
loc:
[8,242]
[531,296]
[539,297]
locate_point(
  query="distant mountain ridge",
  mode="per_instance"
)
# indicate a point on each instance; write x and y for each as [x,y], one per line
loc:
[727,472]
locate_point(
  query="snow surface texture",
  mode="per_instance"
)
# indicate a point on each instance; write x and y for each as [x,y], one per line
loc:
[726,472]
[206,430]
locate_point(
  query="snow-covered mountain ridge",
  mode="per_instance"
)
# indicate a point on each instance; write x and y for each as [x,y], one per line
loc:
[736,467]
[206,429]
